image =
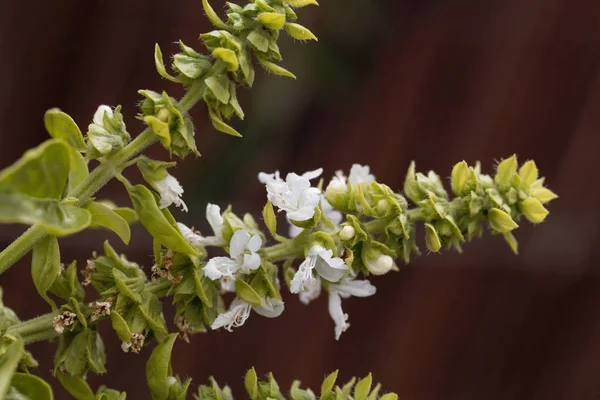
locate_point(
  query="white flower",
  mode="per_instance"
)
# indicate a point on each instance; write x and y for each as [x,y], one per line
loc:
[170,192]
[239,311]
[360,174]
[380,265]
[312,290]
[327,209]
[319,258]
[295,196]
[244,258]
[99,116]
[214,218]
[348,287]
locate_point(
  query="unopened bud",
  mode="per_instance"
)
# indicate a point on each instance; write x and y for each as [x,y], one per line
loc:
[533,210]
[432,239]
[383,206]
[381,265]
[501,221]
[347,233]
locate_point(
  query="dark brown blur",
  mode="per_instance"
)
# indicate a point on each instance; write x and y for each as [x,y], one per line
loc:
[389,81]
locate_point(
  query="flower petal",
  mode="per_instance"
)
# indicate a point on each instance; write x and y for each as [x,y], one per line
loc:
[251,262]
[337,314]
[313,174]
[218,267]
[238,243]
[270,308]
[333,271]
[214,218]
[357,288]
[254,243]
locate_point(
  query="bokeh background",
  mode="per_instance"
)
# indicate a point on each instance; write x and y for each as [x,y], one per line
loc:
[436,81]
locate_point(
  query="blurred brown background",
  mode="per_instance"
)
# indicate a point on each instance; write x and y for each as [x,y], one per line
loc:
[389,81]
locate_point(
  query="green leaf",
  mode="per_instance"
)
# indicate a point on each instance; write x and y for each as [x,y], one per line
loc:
[251,383]
[105,393]
[8,364]
[95,352]
[191,66]
[501,221]
[274,68]
[74,358]
[219,88]
[245,292]
[200,282]
[270,218]
[61,126]
[213,17]
[45,266]
[512,242]
[76,386]
[328,384]
[460,175]
[432,240]
[362,388]
[120,326]
[221,126]
[160,64]
[156,223]
[259,39]
[128,214]
[528,173]
[389,396]
[271,20]
[41,172]
[533,210]
[121,282]
[67,285]
[151,309]
[55,218]
[299,32]
[157,369]
[505,172]
[160,128]
[79,169]
[105,217]
[29,387]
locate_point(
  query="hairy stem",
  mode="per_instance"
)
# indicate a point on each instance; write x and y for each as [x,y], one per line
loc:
[36,329]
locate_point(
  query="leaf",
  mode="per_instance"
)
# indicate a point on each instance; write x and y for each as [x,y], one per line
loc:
[45,266]
[29,387]
[74,357]
[157,369]
[67,285]
[271,20]
[160,64]
[151,309]
[191,67]
[8,364]
[219,88]
[460,174]
[128,214]
[501,221]
[156,223]
[61,126]
[362,388]
[328,384]
[389,396]
[251,383]
[121,282]
[76,386]
[274,68]
[105,217]
[221,126]
[505,172]
[55,218]
[160,128]
[299,32]
[432,240]
[96,355]
[120,326]
[528,173]
[270,218]
[259,39]
[41,172]
[228,57]
[247,293]
[200,283]
[79,169]
[213,17]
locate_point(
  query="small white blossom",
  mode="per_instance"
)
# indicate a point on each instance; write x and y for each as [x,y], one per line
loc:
[347,232]
[295,195]
[360,174]
[319,258]
[170,192]
[243,251]
[348,287]
[99,116]
[215,220]
[312,290]
[239,311]
[380,265]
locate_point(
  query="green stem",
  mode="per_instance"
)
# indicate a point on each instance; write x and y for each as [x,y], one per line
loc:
[36,329]
[282,251]
[95,181]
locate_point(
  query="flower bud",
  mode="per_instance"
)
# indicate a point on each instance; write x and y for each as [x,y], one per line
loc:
[460,174]
[383,206]
[506,171]
[299,32]
[337,194]
[533,210]
[380,265]
[501,221]
[432,239]
[271,20]
[347,233]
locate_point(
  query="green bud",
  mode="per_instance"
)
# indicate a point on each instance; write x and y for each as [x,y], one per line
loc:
[274,68]
[460,174]
[506,172]
[300,3]
[533,210]
[528,173]
[544,195]
[411,187]
[271,20]
[299,32]
[500,221]
[228,57]
[432,240]
[337,194]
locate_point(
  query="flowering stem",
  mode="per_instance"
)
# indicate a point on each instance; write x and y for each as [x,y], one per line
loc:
[36,329]
[283,251]
[99,177]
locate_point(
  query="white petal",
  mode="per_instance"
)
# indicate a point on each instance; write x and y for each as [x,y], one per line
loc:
[312,290]
[337,314]
[302,214]
[294,230]
[238,313]
[189,234]
[251,262]
[360,174]
[332,270]
[218,267]
[238,243]
[214,218]
[211,241]
[357,288]
[313,174]
[254,243]
[270,308]
[303,274]
[99,114]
